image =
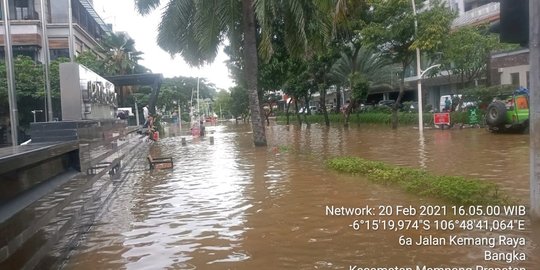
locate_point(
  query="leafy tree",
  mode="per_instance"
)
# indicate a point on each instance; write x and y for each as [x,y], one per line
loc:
[90,60]
[117,56]
[181,90]
[269,101]
[121,57]
[390,29]
[29,88]
[465,51]
[297,84]
[483,95]
[239,102]
[319,67]
[361,69]
[223,103]
[195,29]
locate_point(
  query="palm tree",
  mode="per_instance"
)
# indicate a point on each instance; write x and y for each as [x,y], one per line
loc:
[195,29]
[121,57]
[361,69]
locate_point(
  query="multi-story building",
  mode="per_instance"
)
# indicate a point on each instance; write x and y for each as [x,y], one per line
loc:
[88,27]
[470,12]
[26,35]
[503,68]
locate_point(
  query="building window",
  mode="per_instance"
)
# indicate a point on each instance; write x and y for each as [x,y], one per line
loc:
[514,78]
[24,10]
[24,50]
[57,53]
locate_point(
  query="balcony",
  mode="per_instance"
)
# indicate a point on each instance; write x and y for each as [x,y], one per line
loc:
[483,14]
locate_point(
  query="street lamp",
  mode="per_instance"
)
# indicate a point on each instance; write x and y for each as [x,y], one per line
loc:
[34,112]
[419,85]
[419,76]
[419,73]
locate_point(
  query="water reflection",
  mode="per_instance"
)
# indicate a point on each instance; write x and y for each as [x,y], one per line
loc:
[233,206]
[422,155]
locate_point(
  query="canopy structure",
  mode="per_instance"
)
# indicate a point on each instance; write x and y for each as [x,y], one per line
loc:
[151,79]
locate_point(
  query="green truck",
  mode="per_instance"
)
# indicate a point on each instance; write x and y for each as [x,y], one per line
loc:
[509,113]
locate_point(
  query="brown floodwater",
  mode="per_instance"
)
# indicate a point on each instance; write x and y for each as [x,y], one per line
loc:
[233,206]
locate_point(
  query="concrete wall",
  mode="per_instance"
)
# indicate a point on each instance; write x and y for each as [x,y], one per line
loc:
[85,95]
[59,11]
[501,67]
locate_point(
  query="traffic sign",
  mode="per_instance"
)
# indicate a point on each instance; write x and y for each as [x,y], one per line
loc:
[441,118]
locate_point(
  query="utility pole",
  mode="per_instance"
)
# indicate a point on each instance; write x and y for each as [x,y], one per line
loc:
[534,60]
[71,38]
[46,60]
[418,74]
[12,94]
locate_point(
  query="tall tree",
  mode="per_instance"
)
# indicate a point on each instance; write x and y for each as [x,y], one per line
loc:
[180,91]
[465,50]
[118,56]
[319,67]
[121,57]
[195,29]
[297,84]
[361,69]
[222,104]
[31,88]
[239,102]
[390,29]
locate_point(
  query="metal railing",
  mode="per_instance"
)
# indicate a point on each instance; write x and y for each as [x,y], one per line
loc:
[477,14]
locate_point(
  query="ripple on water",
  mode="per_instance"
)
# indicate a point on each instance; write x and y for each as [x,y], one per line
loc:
[233,206]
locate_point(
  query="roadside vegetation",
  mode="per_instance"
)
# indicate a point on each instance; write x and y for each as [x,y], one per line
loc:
[378,117]
[454,189]
[480,97]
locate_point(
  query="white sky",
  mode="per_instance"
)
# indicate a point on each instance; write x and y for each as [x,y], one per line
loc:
[143,29]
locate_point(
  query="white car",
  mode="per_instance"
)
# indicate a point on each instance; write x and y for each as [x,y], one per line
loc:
[313,109]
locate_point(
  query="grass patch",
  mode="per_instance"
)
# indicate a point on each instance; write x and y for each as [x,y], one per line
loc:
[404,118]
[284,148]
[454,189]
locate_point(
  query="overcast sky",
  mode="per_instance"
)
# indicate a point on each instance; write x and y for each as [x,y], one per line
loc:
[122,14]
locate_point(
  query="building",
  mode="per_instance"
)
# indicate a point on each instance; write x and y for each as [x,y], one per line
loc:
[503,68]
[88,27]
[26,35]
[509,68]
[470,12]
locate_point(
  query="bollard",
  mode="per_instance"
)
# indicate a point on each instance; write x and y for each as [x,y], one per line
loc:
[183,141]
[211,139]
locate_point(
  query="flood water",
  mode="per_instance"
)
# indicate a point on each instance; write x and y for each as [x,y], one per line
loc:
[233,206]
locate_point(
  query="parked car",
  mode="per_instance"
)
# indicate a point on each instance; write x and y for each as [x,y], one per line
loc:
[313,110]
[386,102]
[509,113]
[459,106]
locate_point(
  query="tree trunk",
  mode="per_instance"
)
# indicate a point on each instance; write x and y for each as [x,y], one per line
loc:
[250,72]
[296,109]
[348,111]
[306,109]
[322,91]
[268,113]
[398,100]
[287,111]
[339,101]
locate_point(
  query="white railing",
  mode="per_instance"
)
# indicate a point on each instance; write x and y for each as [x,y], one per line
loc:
[477,14]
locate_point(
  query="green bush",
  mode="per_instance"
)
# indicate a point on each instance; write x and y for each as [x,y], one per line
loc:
[383,115]
[454,189]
